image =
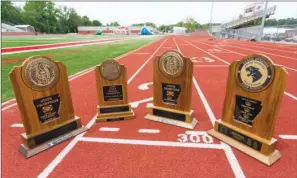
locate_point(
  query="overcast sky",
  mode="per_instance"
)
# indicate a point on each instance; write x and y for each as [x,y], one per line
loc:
[127,13]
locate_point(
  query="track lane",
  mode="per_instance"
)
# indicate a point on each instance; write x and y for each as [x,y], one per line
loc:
[83,91]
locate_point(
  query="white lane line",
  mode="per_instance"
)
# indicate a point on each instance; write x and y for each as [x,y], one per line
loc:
[204,101]
[198,65]
[70,46]
[195,132]
[141,67]
[136,103]
[141,53]
[73,142]
[290,137]
[290,95]
[149,131]
[286,93]
[228,151]
[207,53]
[145,86]
[8,101]
[7,107]
[81,73]
[241,54]
[151,143]
[17,125]
[109,129]
[176,45]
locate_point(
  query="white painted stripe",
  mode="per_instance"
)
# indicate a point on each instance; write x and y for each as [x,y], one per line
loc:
[70,146]
[196,132]
[290,95]
[205,103]
[7,107]
[149,131]
[233,161]
[136,103]
[228,151]
[69,42]
[59,47]
[207,53]
[176,45]
[17,125]
[245,55]
[145,86]
[151,143]
[6,102]
[81,73]
[141,67]
[198,65]
[109,129]
[290,137]
[141,53]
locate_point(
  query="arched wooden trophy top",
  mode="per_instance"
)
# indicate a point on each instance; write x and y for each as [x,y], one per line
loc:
[118,85]
[179,85]
[29,97]
[252,103]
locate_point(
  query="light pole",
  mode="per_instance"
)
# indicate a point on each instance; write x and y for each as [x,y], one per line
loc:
[210,21]
[263,20]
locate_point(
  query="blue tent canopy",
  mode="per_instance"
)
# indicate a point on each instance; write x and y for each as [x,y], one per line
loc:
[99,32]
[145,31]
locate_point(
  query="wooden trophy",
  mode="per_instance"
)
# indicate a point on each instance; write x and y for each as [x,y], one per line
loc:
[254,92]
[43,96]
[112,92]
[172,85]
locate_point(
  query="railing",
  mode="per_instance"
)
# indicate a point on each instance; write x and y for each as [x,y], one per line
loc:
[243,20]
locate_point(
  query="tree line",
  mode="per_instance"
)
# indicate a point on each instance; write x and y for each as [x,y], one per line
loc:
[44,16]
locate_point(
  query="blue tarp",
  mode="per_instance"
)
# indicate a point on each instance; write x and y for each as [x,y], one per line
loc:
[145,31]
[99,32]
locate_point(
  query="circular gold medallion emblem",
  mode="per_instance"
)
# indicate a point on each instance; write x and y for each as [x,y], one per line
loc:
[255,73]
[110,69]
[171,64]
[40,73]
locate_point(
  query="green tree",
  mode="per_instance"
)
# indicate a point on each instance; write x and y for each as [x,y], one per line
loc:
[86,21]
[10,13]
[96,23]
[115,24]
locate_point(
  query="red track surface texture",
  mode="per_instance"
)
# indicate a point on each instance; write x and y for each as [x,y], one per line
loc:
[142,148]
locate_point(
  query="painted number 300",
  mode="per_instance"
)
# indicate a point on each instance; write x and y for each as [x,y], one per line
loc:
[195,138]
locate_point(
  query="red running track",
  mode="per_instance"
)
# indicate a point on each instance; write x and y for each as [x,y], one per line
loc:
[166,151]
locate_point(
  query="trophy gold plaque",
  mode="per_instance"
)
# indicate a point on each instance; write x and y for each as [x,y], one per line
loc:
[254,92]
[172,90]
[112,92]
[43,97]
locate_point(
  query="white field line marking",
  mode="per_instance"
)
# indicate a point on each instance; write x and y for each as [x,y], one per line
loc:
[70,46]
[149,131]
[198,65]
[263,52]
[141,53]
[136,103]
[176,45]
[7,107]
[290,137]
[151,143]
[286,93]
[257,46]
[290,95]
[74,141]
[207,52]
[8,101]
[17,125]
[244,55]
[68,42]
[196,132]
[144,86]
[148,105]
[228,151]
[79,74]
[141,67]
[109,129]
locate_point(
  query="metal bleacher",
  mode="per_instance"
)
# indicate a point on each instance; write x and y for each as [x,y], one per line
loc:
[245,20]
[9,28]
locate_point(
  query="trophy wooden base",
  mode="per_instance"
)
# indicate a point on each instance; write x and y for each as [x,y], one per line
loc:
[258,148]
[114,113]
[44,141]
[172,117]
